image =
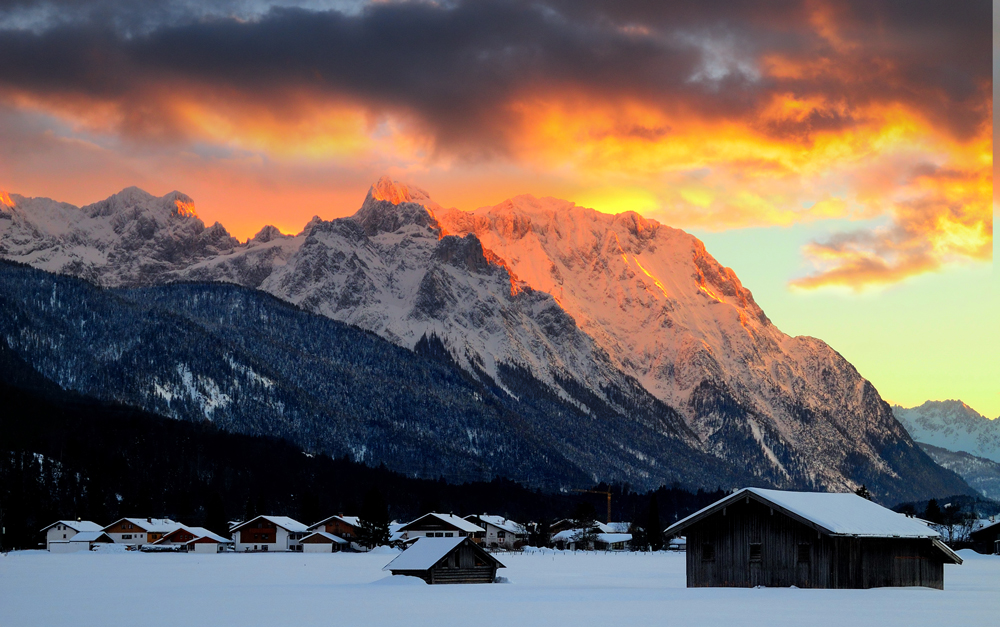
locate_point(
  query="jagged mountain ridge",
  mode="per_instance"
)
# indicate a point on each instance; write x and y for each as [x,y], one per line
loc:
[980,473]
[952,425]
[492,287]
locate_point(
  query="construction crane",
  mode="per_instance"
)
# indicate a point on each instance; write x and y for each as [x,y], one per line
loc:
[606,493]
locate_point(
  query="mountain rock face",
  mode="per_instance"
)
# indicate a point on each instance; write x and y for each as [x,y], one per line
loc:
[628,321]
[980,473]
[952,425]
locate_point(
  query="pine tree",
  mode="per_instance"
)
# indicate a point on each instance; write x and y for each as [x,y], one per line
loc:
[864,493]
[373,520]
[638,530]
[654,532]
[584,521]
[933,512]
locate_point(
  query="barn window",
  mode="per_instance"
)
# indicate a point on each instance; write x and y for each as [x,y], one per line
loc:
[804,554]
[708,552]
[755,551]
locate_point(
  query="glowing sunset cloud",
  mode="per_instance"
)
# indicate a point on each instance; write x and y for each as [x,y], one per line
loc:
[870,119]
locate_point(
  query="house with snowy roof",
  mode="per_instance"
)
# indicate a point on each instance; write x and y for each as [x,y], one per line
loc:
[598,536]
[498,532]
[139,531]
[439,526]
[344,527]
[775,538]
[446,560]
[62,531]
[269,533]
[323,542]
[194,540]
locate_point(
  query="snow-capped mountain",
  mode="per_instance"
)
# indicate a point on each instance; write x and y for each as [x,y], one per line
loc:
[952,425]
[132,238]
[610,313]
[669,315]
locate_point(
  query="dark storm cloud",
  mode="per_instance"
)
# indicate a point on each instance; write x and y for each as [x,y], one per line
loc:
[456,67]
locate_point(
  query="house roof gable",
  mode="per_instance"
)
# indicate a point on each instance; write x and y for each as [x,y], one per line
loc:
[449,519]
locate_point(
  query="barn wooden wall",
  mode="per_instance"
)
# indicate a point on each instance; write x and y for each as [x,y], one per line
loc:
[833,562]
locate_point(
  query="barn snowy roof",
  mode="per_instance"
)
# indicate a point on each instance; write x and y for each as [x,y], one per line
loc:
[76,525]
[838,514]
[426,552]
[450,519]
[423,553]
[286,523]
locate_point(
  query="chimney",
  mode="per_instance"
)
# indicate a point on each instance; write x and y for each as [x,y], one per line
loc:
[149,520]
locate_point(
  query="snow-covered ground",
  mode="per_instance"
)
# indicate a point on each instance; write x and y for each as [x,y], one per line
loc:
[139,589]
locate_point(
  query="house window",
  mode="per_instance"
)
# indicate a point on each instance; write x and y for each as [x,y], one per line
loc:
[708,552]
[64,536]
[804,554]
[263,547]
[449,534]
[755,552]
[501,534]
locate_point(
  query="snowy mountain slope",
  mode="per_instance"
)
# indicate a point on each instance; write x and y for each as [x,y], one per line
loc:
[980,473]
[131,238]
[631,322]
[671,316]
[952,425]
[253,364]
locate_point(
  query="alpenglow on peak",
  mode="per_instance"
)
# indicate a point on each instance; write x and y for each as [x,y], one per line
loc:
[395,192]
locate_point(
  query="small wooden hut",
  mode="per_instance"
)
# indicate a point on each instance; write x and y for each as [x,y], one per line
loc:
[756,537]
[446,560]
[987,539]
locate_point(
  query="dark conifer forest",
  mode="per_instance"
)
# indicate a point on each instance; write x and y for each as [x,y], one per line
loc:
[65,456]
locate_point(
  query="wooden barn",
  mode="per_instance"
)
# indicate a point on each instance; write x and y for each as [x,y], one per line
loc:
[756,537]
[446,560]
[987,539]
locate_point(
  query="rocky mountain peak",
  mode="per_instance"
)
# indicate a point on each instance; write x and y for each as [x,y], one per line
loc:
[269,233]
[391,206]
[6,202]
[396,193]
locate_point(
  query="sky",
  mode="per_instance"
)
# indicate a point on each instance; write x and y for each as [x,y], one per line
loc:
[837,155]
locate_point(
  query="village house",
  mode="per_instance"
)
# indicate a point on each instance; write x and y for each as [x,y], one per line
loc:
[439,526]
[269,533]
[345,527]
[446,560]
[194,540]
[139,531]
[323,542]
[757,537]
[62,531]
[987,539]
[498,532]
[598,536]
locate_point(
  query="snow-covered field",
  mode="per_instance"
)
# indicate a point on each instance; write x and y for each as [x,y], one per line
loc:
[139,589]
